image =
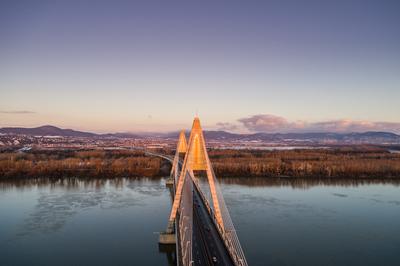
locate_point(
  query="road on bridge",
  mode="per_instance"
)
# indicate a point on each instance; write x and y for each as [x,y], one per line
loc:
[198,227]
[208,247]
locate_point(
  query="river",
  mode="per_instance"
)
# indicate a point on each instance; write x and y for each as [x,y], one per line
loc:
[278,221]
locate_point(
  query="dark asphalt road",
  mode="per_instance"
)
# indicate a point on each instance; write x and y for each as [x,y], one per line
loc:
[208,247]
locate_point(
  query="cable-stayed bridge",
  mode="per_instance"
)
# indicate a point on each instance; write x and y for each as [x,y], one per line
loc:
[201,228]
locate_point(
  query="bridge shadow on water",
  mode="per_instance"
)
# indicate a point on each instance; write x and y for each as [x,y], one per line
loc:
[170,253]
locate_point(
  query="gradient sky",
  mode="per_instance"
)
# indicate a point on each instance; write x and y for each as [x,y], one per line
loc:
[109,66]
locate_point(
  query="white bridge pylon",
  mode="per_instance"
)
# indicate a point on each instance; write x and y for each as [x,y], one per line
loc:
[180,150]
[196,158]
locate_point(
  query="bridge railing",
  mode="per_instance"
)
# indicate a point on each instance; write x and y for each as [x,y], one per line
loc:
[230,237]
[164,156]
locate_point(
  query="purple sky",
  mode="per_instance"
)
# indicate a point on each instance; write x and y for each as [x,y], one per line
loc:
[270,66]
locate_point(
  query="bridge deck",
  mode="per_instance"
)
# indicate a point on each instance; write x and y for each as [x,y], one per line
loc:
[208,247]
[204,234]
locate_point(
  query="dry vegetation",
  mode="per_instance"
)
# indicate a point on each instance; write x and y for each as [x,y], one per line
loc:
[80,164]
[343,162]
[335,163]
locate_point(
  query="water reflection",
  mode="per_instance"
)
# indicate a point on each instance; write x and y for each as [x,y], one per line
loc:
[71,183]
[170,253]
[276,219]
[340,195]
[126,213]
[54,209]
[62,198]
[305,183]
[119,183]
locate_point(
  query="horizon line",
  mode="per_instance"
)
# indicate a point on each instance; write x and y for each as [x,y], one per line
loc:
[187,130]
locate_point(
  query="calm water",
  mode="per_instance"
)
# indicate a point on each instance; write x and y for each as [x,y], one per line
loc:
[115,222]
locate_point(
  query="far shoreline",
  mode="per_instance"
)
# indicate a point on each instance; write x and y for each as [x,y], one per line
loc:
[338,163]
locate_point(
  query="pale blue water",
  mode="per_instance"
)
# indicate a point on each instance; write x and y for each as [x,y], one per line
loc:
[115,222]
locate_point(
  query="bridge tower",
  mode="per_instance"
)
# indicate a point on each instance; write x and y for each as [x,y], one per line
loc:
[184,217]
[168,237]
[182,145]
[181,148]
[196,159]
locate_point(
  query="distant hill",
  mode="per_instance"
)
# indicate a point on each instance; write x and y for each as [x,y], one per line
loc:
[46,131]
[125,135]
[317,137]
[56,131]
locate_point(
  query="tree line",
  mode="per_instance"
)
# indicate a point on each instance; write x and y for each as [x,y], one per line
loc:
[348,162]
[320,163]
[96,163]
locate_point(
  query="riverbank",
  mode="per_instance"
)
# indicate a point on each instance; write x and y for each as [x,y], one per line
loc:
[344,162]
[94,163]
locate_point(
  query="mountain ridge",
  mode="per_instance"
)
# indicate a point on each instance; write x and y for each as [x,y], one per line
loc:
[378,136]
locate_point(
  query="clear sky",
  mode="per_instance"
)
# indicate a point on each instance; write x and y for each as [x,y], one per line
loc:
[109,66]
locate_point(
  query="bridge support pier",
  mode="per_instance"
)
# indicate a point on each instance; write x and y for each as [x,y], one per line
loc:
[169,182]
[168,237]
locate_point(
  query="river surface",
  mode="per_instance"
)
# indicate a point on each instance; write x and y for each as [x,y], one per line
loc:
[279,222]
